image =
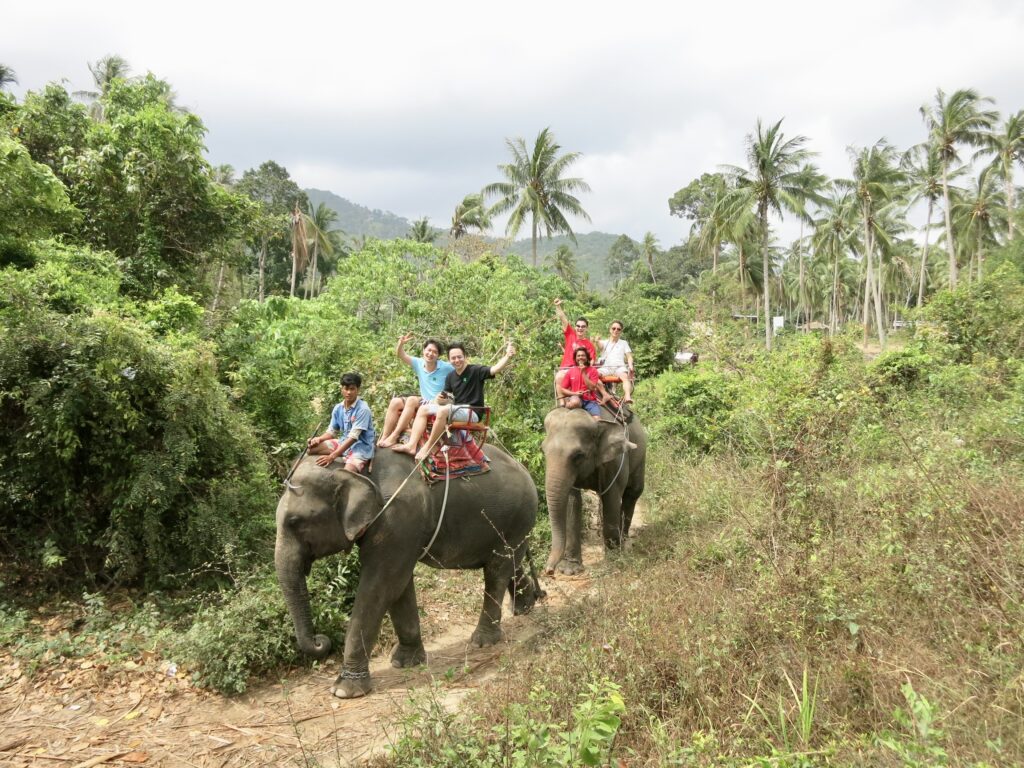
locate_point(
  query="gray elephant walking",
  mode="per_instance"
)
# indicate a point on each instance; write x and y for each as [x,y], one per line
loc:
[486,521]
[604,456]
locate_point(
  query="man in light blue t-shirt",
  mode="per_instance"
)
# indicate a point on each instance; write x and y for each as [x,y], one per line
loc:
[431,372]
[350,434]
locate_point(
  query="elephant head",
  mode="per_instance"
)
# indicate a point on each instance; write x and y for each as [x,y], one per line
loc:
[575,447]
[323,511]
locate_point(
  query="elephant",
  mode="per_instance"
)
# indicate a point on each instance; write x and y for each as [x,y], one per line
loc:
[606,456]
[485,524]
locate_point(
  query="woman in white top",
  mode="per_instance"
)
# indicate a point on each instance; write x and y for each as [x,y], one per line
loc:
[615,358]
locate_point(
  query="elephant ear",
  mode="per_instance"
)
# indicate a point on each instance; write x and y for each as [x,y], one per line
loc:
[614,443]
[361,501]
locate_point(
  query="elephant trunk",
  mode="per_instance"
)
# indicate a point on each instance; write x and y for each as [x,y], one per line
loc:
[557,487]
[291,575]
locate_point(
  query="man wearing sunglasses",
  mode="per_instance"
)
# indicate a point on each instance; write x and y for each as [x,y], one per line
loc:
[575,338]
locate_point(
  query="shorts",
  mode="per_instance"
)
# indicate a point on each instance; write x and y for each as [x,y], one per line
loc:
[592,407]
[463,413]
[352,463]
[621,371]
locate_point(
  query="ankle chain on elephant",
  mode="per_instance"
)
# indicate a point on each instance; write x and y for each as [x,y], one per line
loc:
[347,675]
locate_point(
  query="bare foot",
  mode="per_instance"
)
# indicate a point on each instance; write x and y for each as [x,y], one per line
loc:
[403,448]
[386,442]
[421,455]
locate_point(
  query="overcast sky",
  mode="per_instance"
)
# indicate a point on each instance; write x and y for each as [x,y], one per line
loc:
[406,106]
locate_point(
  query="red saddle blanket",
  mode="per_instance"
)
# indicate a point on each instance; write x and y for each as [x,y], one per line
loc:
[458,458]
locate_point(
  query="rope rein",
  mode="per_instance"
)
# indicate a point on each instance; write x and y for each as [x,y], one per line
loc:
[444,502]
[415,467]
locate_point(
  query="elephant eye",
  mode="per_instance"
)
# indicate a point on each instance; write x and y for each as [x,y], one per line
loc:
[577,455]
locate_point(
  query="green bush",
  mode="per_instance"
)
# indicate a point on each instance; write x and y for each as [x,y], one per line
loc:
[985,318]
[122,456]
[246,632]
[691,405]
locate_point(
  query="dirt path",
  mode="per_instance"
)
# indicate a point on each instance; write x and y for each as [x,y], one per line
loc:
[141,715]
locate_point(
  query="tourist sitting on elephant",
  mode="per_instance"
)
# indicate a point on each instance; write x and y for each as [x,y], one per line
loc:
[616,359]
[351,416]
[466,385]
[581,386]
[430,372]
[575,338]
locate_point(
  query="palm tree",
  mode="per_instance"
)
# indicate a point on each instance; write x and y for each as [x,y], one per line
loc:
[835,230]
[1007,145]
[104,71]
[323,238]
[978,215]
[773,181]
[471,213]
[563,264]
[224,175]
[7,77]
[953,121]
[649,249]
[811,185]
[875,184]
[300,244]
[422,232]
[924,172]
[535,187]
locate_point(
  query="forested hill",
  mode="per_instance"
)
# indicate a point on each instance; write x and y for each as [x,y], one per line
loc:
[591,249]
[358,220]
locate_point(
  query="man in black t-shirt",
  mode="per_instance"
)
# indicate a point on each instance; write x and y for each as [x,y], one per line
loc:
[466,385]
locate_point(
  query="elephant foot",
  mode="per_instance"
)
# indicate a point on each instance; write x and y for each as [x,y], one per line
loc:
[408,656]
[352,685]
[484,637]
[523,604]
[570,567]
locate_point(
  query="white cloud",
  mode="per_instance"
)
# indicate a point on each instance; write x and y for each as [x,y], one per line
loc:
[405,106]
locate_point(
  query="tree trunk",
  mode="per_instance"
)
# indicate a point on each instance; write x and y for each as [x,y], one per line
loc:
[879,319]
[865,316]
[833,322]
[800,303]
[949,229]
[295,263]
[533,235]
[263,264]
[1009,204]
[924,255]
[311,284]
[216,290]
[980,254]
[766,279]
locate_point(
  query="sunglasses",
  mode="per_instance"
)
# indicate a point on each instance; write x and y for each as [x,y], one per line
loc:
[581,326]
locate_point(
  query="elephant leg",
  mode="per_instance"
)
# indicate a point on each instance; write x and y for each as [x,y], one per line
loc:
[572,561]
[497,573]
[379,588]
[629,499]
[406,619]
[523,588]
[611,518]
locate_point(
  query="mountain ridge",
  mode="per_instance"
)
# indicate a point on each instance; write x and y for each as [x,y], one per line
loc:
[355,220]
